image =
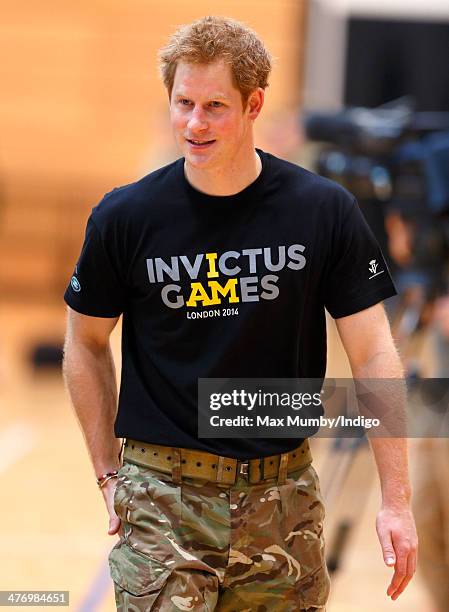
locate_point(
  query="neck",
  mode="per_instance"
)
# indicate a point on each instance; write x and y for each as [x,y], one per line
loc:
[228,180]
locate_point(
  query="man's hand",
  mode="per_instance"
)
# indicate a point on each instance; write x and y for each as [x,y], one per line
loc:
[397,535]
[108,491]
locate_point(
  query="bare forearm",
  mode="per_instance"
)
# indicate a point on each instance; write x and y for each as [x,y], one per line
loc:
[89,374]
[390,453]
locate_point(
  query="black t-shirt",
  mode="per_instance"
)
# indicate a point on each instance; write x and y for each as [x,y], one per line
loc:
[222,286]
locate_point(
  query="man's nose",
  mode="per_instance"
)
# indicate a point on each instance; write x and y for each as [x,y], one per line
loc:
[197,120]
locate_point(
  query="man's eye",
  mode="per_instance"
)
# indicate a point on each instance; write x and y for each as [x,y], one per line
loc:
[184,102]
[216,104]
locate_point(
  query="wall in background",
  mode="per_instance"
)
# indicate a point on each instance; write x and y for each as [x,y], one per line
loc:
[82,110]
[327,32]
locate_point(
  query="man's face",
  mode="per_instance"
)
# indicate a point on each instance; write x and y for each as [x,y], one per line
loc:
[207,116]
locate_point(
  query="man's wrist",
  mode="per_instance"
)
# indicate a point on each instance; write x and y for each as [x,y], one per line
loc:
[102,479]
[397,498]
[110,483]
[110,461]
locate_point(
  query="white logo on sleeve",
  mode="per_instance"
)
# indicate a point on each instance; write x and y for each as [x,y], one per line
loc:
[75,284]
[373,266]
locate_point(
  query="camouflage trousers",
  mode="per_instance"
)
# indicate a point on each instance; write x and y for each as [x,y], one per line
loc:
[205,546]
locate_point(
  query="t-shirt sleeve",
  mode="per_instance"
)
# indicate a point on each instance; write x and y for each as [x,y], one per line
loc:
[96,288]
[357,274]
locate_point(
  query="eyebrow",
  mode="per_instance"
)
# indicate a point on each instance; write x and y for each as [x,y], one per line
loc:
[214,96]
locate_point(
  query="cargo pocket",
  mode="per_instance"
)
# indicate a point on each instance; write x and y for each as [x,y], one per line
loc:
[138,579]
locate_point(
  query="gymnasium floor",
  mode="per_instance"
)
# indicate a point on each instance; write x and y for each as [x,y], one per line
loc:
[54,529]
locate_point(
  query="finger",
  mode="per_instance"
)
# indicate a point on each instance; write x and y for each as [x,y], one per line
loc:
[399,573]
[387,547]
[411,564]
[114,520]
[411,569]
[399,590]
[114,525]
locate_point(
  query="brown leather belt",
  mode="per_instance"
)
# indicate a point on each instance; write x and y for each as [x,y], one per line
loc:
[192,463]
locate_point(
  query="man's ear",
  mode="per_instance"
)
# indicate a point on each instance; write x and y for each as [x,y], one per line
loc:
[255,103]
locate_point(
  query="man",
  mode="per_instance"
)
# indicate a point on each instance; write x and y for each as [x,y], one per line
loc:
[221,264]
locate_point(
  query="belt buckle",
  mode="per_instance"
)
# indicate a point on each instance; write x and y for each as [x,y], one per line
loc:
[243,468]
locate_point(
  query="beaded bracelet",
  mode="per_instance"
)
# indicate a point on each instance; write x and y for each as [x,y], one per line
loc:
[102,480]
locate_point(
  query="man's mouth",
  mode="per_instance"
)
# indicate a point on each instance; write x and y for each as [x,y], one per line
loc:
[200,144]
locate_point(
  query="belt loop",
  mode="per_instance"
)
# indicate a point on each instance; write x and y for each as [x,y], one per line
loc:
[283,464]
[176,467]
[220,468]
